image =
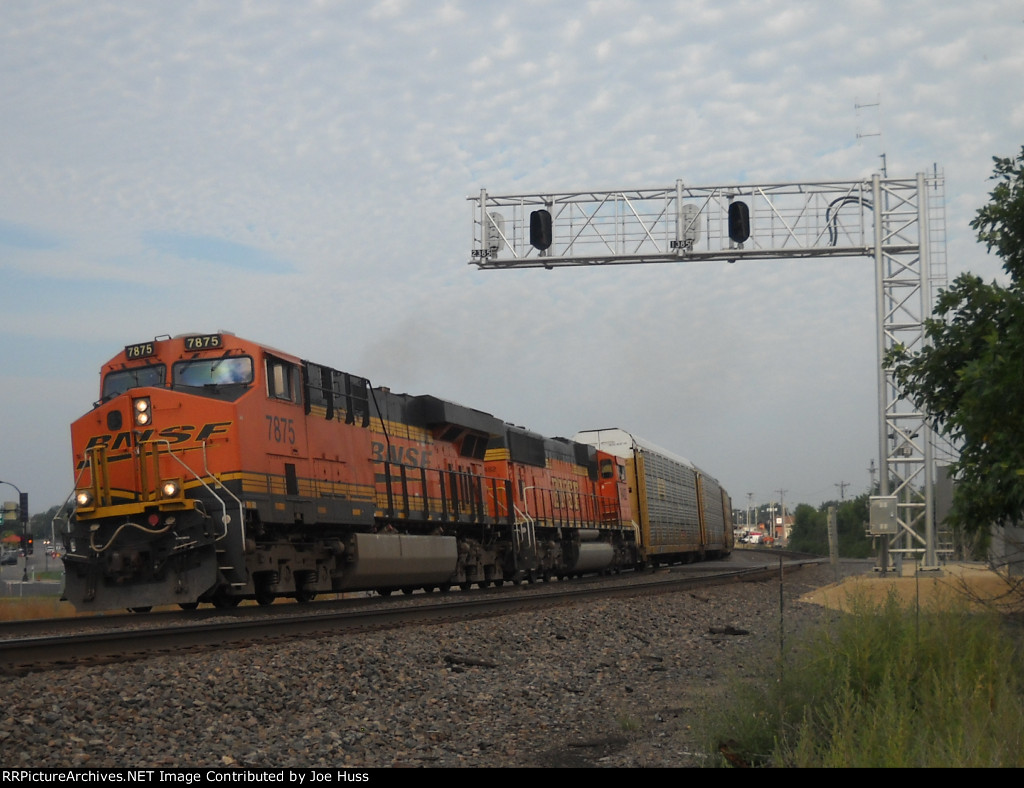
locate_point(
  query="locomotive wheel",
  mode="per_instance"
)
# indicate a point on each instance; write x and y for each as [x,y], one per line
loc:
[384,591]
[266,587]
[304,594]
[304,590]
[264,596]
[407,590]
[188,605]
[465,586]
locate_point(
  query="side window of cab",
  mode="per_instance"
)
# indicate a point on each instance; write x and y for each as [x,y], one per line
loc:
[282,380]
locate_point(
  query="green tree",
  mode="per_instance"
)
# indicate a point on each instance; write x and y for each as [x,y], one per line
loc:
[810,533]
[810,528]
[851,523]
[40,525]
[969,376]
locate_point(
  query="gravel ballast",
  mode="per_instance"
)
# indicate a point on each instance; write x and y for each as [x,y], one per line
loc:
[623,683]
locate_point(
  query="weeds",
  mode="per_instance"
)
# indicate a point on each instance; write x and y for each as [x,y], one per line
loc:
[887,686]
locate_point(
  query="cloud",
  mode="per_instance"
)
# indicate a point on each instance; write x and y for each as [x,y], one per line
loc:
[307,164]
[217,251]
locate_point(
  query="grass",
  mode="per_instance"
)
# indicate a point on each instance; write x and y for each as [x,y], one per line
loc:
[886,686]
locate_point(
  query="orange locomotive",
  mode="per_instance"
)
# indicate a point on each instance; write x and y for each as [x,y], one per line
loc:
[215,469]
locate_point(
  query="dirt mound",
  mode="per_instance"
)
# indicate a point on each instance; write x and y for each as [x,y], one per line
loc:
[973,585]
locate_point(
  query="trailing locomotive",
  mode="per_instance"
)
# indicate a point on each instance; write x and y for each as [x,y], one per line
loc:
[216,469]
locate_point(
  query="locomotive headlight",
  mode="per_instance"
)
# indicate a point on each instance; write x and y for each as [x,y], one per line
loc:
[171,488]
[83,499]
[143,411]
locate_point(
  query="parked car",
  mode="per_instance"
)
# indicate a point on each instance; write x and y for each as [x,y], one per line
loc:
[9,559]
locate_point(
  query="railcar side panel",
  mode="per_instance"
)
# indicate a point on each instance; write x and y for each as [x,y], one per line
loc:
[669,491]
[715,525]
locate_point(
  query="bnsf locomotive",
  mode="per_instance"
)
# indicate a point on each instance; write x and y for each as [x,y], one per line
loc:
[215,469]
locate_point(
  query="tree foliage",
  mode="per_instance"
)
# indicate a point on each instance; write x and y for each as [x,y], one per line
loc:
[810,528]
[969,376]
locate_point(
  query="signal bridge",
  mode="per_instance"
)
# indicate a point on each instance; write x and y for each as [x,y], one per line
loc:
[899,222]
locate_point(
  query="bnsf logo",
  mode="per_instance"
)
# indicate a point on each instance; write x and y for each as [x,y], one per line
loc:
[173,435]
[403,455]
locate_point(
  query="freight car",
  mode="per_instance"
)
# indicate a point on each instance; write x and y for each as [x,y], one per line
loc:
[216,469]
[682,512]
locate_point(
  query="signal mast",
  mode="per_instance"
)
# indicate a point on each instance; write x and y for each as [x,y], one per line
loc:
[897,222]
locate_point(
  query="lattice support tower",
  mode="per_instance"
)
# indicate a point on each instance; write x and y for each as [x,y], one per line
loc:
[898,222]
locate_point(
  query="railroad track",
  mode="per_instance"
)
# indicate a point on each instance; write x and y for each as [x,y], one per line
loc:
[79,642]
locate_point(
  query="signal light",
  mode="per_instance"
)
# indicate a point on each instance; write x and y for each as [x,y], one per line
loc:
[540,229]
[739,222]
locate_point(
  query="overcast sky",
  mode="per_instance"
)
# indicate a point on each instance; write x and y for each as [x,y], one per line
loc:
[297,173]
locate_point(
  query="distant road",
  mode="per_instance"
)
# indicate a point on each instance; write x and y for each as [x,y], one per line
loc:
[11,577]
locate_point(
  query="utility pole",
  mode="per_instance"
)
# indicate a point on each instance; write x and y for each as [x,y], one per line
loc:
[782,507]
[842,489]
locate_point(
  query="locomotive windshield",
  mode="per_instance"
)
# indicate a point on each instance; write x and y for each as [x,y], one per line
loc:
[212,372]
[121,381]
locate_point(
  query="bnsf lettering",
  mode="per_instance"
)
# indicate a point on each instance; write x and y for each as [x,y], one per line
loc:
[173,435]
[403,455]
[216,428]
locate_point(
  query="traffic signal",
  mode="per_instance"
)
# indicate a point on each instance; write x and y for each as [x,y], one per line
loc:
[27,543]
[23,503]
[540,229]
[739,221]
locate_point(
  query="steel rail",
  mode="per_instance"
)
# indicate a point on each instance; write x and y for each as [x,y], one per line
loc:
[256,626]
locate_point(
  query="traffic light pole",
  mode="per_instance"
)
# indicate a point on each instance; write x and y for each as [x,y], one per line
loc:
[23,517]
